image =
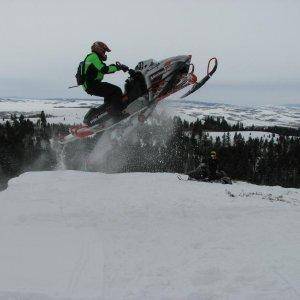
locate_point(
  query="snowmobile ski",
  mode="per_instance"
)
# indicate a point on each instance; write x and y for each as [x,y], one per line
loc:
[179,177]
[199,84]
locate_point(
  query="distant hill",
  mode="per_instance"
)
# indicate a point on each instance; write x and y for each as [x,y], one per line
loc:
[292,105]
[70,111]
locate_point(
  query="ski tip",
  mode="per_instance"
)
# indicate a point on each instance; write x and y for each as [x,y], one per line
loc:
[214,60]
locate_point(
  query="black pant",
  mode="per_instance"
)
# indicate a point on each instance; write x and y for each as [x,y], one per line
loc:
[112,94]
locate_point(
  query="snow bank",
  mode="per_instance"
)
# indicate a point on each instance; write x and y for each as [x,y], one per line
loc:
[76,235]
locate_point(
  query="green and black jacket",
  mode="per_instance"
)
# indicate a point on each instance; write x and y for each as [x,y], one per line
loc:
[95,69]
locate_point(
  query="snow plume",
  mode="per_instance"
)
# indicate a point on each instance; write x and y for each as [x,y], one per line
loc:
[72,156]
[102,147]
[107,153]
[61,159]
[60,155]
[40,162]
[44,158]
[127,149]
[124,149]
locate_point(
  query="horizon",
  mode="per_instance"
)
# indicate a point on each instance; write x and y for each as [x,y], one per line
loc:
[95,99]
[211,93]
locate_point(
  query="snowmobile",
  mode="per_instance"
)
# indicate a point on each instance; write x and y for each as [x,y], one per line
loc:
[148,84]
[203,175]
[223,179]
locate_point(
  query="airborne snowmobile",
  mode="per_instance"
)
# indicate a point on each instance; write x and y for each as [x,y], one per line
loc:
[149,83]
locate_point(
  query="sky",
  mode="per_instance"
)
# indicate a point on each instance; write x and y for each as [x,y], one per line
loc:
[256,42]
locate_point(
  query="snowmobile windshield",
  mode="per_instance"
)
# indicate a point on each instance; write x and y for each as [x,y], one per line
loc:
[146,64]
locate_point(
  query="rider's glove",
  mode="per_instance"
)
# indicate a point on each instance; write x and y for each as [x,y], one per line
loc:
[122,67]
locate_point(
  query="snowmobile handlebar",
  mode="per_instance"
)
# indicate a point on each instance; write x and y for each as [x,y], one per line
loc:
[122,67]
[125,68]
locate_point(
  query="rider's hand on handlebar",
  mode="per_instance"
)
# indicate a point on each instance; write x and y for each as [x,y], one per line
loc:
[122,67]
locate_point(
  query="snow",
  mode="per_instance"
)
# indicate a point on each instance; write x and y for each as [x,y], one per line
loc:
[260,115]
[77,235]
[58,111]
[72,111]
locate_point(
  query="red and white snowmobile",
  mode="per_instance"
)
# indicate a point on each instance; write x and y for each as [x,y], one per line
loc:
[149,83]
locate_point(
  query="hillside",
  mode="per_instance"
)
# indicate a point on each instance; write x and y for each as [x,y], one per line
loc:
[77,235]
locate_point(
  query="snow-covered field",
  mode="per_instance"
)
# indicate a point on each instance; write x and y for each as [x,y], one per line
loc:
[264,115]
[58,111]
[72,111]
[77,235]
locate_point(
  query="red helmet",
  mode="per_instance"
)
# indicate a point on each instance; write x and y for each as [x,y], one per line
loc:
[100,48]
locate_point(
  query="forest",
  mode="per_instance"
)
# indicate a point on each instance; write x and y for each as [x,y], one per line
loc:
[163,144]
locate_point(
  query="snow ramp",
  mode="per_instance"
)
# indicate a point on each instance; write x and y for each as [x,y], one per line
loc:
[76,235]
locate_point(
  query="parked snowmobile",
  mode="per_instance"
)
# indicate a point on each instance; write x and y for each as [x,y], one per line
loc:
[149,83]
[221,177]
[209,171]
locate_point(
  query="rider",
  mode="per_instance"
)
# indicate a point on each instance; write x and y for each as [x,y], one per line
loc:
[213,165]
[209,170]
[94,71]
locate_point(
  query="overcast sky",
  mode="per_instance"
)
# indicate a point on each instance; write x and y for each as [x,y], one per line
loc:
[257,43]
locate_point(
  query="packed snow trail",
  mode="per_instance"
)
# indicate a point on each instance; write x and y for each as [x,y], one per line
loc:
[77,235]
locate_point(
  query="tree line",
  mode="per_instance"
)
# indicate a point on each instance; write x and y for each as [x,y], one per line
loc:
[177,146]
[25,146]
[161,145]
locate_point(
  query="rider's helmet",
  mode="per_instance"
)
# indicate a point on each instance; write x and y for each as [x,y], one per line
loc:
[100,48]
[213,154]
